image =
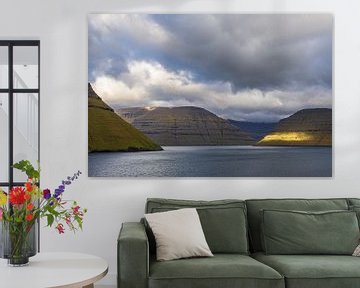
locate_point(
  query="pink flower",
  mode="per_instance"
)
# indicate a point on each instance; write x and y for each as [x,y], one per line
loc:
[60,228]
[1,213]
[68,219]
[76,210]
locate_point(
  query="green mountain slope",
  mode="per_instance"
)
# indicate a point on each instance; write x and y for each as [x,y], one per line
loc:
[109,132]
[184,126]
[307,127]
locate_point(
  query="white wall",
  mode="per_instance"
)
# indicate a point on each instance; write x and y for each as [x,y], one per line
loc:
[61,25]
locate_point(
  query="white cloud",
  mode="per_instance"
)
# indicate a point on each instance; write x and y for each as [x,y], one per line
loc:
[151,84]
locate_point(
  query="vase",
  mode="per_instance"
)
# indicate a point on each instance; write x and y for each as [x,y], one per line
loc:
[18,242]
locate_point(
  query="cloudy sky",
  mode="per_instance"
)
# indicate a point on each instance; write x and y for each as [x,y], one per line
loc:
[245,67]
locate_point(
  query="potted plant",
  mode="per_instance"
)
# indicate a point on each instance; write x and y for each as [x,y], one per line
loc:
[21,208]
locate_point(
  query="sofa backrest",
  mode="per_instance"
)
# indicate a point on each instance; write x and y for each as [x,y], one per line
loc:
[223,221]
[256,205]
[353,202]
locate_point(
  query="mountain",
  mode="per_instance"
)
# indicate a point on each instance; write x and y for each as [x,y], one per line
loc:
[256,130]
[184,126]
[307,127]
[108,132]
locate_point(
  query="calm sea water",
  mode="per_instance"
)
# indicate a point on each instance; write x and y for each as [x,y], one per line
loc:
[215,161]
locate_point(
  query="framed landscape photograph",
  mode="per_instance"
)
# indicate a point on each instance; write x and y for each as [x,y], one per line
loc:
[210,95]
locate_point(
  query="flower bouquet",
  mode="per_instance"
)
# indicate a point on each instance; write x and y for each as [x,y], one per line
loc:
[21,208]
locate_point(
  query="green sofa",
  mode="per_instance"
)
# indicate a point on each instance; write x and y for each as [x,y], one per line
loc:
[233,231]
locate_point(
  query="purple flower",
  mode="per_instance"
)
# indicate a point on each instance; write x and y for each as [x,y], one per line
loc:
[68,181]
[58,192]
[46,194]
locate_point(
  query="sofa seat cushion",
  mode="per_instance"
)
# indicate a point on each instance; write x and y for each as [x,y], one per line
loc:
[313,271]
[222,270]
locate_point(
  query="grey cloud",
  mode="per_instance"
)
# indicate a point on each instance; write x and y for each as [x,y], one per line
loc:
[250,51]
[254,51]
[291,54]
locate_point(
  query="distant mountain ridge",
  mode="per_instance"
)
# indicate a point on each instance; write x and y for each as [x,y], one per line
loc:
[256,130]
[184,126]
[307,127]
[109,132]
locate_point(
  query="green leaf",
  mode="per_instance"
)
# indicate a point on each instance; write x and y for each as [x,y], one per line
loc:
[50,219]
[79,221]
[26,167]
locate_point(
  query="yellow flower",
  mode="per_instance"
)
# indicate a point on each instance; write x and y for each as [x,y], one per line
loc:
[3,198]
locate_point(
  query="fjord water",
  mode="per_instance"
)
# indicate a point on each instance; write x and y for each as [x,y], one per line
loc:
[215,161]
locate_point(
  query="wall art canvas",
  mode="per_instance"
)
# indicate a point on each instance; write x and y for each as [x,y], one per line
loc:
[210,95]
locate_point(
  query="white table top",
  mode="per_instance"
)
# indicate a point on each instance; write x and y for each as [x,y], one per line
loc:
[45,270]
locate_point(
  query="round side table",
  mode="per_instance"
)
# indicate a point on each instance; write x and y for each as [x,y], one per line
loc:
[50,270]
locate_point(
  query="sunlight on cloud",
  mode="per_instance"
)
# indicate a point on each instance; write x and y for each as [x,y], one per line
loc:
[151,84]
[114,91]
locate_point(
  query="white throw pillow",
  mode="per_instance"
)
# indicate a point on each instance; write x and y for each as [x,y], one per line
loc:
[178,234]
[357,251]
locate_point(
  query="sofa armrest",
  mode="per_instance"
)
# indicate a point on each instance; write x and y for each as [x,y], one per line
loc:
[133,256]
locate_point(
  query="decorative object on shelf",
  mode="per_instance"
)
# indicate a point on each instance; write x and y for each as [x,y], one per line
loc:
[21,208]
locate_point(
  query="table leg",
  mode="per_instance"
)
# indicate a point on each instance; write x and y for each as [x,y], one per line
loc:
[89,286]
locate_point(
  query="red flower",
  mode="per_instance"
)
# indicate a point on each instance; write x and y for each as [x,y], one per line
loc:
[60,228]
[29,206]
[29,186]
[27,196]
[29,217]
[17,196]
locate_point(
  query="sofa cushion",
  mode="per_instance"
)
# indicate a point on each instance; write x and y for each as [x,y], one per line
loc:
[354,205]
[255,206]
[297,232]
[314,271]
[178,234]
[353,201]
[356,209]
[223,221]
[222,270]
